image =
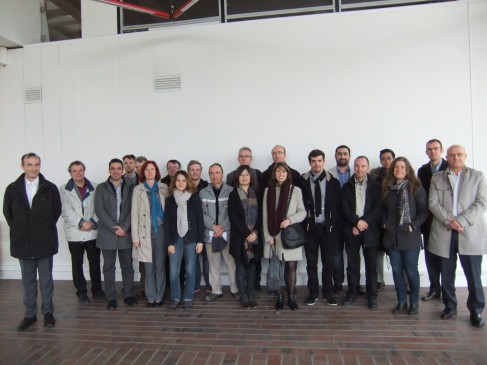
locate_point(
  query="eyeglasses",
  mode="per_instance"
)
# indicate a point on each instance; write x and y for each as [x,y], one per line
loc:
[244,156]
[277,153]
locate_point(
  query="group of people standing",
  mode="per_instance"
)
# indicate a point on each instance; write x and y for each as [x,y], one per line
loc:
[169,223]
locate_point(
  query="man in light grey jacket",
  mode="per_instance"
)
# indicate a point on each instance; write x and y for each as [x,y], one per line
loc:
[217,232]
[80,228]
[113,204]
[458,201]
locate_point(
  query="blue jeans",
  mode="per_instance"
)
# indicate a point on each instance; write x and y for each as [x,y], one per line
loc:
[405,261]
[188,251]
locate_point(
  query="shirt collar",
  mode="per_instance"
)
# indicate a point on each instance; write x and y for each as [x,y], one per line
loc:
[32,183]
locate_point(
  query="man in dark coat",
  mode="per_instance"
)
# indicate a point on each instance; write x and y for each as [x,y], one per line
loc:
[32,206]
[434,150]
[361,210]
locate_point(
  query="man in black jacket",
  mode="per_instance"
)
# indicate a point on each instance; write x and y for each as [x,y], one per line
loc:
[434,150]
[32,206]
[361,211]
[321,196]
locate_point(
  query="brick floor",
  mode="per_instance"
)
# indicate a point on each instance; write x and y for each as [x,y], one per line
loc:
[222,333]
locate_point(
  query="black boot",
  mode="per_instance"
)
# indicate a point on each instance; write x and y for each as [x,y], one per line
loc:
[291,301]
[279,303]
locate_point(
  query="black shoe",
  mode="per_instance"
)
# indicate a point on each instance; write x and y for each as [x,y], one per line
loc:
[99,295]
[359,290]
[413,309]
[25,323]
[188,304]
[130,301]
[372,303]
[349,299]
[291,301]
[158,304]
[476,320]
[83,299]
[151,304]
[330,301]
[430,295]
[49,320]
[279,303]
[174,304]
[448,313]
[337,288]
[112,304]
[212,297]
[245,304]
[400,309]
[236,296]
[311,300]
[253,304]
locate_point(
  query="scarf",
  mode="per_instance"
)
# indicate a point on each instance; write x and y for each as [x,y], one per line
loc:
[181,199]
[403,192]
[317,179]
[249,203]
[276,215]
[155,206]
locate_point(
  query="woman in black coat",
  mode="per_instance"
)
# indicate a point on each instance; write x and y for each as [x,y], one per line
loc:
[404,209]
[243,211]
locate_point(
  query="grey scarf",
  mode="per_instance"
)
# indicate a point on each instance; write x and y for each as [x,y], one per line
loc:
[403,192]
[181,199]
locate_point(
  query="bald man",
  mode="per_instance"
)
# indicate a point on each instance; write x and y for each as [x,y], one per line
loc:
[458,201]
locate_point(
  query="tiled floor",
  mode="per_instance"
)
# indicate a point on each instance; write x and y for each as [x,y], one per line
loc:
[222,333]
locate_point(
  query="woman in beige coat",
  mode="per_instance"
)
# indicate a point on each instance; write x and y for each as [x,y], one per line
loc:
[277,215]
[148,231]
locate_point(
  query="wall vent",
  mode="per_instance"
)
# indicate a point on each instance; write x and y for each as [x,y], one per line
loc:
[167,83]
[33,95]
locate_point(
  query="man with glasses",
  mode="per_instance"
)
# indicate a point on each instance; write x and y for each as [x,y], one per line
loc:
[378,174]
[172,167]
[458,201]
[278,154]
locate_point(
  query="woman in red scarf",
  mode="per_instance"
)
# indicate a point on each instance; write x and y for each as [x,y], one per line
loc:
[280,209]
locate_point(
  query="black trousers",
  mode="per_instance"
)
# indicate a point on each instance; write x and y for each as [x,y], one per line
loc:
[472,267]
[319,242]
[78,250]
[433,266]
[353,267]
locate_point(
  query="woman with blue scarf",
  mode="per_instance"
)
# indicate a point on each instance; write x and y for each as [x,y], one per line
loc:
[148,202]
[184,235]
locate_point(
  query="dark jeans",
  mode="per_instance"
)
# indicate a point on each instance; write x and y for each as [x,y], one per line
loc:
[433,265]
[353,268]
[338,264]
[29,270]
[206,270]
[245,276]
[472,267]
[405,262]
[78,250]
[316,241]
[125,259]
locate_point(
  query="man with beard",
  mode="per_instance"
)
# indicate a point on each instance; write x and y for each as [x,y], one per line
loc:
[341,171]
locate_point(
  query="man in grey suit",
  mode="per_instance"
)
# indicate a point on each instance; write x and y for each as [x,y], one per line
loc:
[458,201]
[113,204]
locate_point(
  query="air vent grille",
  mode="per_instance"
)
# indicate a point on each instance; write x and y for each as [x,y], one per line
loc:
[167,83]
[33,95]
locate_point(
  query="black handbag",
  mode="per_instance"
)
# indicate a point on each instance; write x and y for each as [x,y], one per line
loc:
[293,236]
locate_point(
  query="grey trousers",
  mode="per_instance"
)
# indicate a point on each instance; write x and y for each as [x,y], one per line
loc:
[214,259]
[155,272]
[125,259]
[29,269]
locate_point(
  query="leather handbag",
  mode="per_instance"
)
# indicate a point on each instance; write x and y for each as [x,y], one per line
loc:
[293,236]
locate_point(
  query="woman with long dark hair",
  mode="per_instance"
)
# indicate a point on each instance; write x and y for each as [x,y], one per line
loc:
[404,210]
[282,206]
[243,211]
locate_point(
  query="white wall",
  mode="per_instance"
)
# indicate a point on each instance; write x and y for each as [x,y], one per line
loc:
[370,79]
[20,22]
